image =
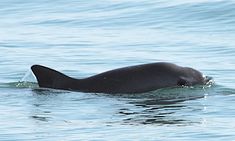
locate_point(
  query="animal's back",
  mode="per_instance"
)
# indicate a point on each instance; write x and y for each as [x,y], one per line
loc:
[134,79]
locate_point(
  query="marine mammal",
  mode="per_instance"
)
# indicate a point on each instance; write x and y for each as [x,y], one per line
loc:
[131,79]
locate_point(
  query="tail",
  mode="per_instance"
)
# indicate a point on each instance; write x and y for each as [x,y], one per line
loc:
[49,78]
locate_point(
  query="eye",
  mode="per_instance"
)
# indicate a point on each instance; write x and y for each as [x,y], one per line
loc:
[182,82]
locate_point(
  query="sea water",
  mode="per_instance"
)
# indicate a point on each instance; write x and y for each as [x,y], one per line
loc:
[83,38]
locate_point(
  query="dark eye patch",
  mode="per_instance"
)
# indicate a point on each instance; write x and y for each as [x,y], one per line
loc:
[182,82]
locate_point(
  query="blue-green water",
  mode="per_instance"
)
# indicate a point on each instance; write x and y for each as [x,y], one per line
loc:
[82,38]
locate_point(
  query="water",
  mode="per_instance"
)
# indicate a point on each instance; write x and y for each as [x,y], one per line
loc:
[82,38]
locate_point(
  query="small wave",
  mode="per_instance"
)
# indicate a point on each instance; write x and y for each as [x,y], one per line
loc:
[19,85]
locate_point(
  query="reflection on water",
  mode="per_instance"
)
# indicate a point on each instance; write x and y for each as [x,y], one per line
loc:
[40,118]
[161,107]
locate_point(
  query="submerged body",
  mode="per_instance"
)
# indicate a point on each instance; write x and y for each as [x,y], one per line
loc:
[133,79]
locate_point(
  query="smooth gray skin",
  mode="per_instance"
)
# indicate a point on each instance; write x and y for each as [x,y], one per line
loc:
[133,79]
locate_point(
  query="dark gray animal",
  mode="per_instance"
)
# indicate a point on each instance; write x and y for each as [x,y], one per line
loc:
[132,79]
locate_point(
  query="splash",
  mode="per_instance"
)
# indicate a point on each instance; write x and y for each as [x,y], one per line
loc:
[27,81]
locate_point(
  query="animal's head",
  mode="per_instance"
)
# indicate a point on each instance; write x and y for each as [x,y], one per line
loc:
[191,77]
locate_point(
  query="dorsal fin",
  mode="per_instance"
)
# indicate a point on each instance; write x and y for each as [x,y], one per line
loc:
[49,78]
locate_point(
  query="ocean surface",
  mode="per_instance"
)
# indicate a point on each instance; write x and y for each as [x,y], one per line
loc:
[83,38]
